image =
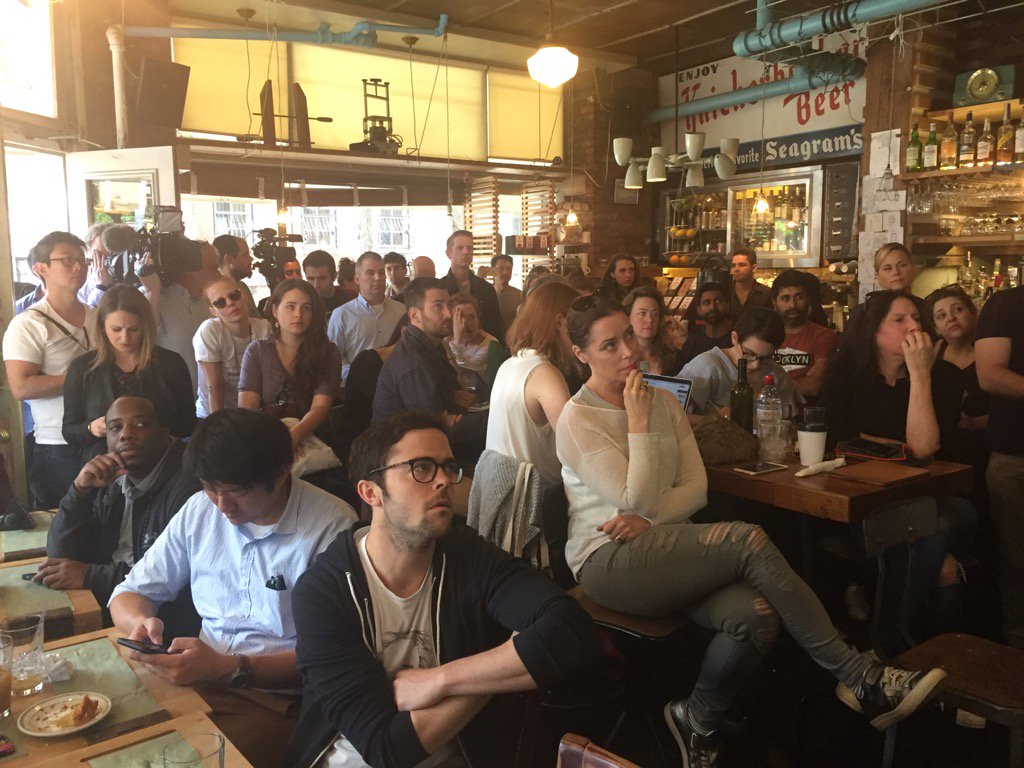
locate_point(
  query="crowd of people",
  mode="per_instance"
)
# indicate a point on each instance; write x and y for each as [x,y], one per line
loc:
[266,488]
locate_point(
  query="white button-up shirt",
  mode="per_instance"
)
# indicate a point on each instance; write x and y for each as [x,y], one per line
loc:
[357,325]
[228,567]
[180,318]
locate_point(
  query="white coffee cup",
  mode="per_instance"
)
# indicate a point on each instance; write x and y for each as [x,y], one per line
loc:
[812,446]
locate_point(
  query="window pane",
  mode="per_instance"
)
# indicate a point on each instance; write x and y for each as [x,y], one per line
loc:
[26,57]
[32,177]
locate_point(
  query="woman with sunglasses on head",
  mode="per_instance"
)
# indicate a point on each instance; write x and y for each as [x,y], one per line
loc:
[633,477]
[126,361]
[295,371]
[887,385]
[648,316]
[220,344]
[530,388]
[756,336]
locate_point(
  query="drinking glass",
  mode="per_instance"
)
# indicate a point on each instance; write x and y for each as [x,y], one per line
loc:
[6,656]
[773,440]
[202,750]
[27,670]
[811,435]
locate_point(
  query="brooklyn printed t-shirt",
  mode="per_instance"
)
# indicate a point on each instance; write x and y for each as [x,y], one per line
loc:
[800,351]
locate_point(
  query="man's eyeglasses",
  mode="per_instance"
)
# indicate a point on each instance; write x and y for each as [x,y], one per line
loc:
[424,469]
[222,302]
[748,355]
[70,261]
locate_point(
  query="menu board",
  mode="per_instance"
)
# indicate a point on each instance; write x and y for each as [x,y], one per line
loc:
[839,211]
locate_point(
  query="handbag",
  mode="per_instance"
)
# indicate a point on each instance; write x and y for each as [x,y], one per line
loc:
[722,441]
[316,454]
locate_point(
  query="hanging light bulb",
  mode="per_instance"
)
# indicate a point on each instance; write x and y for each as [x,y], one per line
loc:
[571,219]
[761,204]
[552,64]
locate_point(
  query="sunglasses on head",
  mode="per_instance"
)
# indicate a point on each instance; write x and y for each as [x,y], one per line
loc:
[222,302]
[584,303]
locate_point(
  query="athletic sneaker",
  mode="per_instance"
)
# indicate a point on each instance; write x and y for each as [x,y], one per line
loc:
[890,694]
[698,751]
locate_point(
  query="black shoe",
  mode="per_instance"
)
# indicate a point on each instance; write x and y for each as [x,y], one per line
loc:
[890,694]
[698,751]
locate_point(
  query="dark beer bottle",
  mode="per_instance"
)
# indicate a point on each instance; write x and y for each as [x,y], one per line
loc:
[741,399]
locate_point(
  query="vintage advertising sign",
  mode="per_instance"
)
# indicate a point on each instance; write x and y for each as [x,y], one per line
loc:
[799,128]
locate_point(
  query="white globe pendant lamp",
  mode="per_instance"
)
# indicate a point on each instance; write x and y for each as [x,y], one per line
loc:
[552,64]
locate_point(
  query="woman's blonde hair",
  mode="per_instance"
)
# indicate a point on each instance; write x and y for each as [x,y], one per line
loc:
[124,298]
[887,250]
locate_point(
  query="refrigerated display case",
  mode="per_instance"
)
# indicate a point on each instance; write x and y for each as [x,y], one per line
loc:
[720,217]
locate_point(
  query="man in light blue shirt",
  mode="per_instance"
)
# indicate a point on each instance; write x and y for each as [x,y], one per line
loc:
[369,320]
[240,544]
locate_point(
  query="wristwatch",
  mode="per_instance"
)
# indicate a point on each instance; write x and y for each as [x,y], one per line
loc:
[242,676]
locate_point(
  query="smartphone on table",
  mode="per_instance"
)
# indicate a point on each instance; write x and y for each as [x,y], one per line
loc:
[759,468]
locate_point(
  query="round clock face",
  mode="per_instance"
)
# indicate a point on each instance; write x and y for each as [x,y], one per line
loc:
[983,83]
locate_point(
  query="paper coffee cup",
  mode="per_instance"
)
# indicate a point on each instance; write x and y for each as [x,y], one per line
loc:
[812,446]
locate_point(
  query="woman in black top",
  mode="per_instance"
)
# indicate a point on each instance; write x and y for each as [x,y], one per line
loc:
[621,277]
[888,384]
[953,317]
[127,361]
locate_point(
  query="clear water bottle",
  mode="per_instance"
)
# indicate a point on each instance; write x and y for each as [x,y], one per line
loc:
[769,403]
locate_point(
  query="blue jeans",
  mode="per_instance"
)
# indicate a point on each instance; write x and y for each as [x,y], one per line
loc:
[958,522]
[53,469]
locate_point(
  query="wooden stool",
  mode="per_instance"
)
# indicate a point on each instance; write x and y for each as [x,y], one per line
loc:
[579,752]
[985,678]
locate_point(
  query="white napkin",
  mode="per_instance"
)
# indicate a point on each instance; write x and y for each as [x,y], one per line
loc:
[821,466]
[58,669]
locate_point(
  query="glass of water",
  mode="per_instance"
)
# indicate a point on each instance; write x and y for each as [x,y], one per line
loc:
[27,670]
[201,750]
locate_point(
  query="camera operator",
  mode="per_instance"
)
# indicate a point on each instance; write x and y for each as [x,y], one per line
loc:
[179,305]
[99,277]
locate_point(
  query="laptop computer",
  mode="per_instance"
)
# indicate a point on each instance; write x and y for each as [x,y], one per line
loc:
[680,388]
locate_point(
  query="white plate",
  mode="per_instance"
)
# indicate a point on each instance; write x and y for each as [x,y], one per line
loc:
[37,721]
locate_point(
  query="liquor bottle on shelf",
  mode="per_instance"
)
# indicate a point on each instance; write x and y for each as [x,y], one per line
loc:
[787,203]
[965,153]
[914,151]
[1004,140]
[930,153]
[777,204]
[949,147]
[1018,143]
[984,153]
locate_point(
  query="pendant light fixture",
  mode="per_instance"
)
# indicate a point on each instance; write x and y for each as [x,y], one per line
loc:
[552,64]
[761,203]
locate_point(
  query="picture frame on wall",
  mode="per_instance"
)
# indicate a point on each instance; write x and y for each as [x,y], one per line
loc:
[623,196]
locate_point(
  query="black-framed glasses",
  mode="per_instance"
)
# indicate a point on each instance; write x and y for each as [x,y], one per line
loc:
[424,469]
[747,354]
[235,295]
[70,261]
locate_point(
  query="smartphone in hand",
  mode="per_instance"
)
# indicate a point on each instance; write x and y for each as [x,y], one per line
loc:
[142,646]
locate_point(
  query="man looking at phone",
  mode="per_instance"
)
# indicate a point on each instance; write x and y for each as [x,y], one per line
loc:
[410,629]
[241,545]
[116,508]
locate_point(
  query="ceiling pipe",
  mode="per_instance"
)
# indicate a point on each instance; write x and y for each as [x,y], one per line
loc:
[819,71]
[835,18]
[364,33]
[115,39]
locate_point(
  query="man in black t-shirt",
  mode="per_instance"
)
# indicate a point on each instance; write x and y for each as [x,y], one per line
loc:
[712,305]
[999,354]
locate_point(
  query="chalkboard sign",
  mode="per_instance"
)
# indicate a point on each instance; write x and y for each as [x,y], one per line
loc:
[839,211]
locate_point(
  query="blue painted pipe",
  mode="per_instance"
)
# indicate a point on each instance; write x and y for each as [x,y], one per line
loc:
[832,19]
[364,33]
[841,68]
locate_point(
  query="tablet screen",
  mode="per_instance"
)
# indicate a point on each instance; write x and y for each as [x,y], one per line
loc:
[680,388]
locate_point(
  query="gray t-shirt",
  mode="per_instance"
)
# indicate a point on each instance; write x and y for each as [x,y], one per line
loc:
[713,375]
[264,374]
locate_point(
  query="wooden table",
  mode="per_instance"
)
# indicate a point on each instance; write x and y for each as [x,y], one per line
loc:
[176,700]
[85,614]
[43,519]
[835,498]
[184,726]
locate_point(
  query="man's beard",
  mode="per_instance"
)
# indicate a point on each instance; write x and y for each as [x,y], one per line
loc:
[713,318]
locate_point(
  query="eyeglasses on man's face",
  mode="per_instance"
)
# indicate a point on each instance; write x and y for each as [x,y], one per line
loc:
[752,356]
[222,301]
[424,469]
[70,262]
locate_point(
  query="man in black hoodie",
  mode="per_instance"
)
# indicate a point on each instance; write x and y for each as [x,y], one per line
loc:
[118,505]
[408,627]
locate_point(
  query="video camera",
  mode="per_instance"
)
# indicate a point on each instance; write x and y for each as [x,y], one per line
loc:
[270,253]
[172,253]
